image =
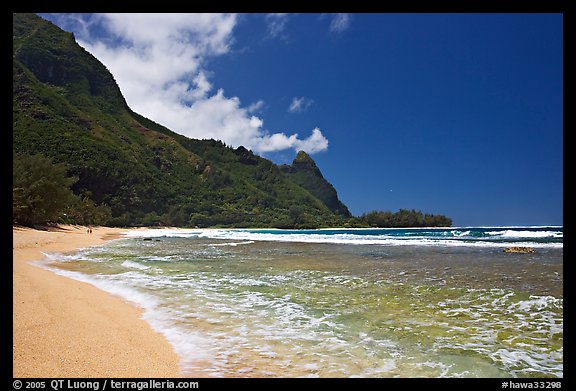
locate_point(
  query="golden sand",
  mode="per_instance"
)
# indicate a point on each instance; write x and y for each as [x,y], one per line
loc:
[67,328]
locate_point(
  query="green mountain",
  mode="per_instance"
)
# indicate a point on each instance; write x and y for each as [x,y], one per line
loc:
[68,107]
[306,173]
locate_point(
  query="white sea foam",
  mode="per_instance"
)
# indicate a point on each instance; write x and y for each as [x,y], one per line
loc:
[232,244]
[134,265]
[397,241]
[59,257]
[536,303]
[529,361]
[117,288]
[526,234]
[163,232]
[453,237]
[364,240]
[190,346]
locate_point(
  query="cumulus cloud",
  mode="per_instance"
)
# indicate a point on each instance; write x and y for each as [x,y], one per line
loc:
[159,61]
[316,142]
[339,23]
[299,105]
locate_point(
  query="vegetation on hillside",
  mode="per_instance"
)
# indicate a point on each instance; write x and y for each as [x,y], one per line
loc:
[75,139]
[41,193]
[68,108]
[304,172]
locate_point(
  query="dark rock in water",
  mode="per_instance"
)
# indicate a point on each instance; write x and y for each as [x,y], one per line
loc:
[522,250]
[147,239]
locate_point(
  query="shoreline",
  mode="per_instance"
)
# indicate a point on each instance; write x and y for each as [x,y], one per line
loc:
[66,328]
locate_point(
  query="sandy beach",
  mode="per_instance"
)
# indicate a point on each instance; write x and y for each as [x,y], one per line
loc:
[67,328]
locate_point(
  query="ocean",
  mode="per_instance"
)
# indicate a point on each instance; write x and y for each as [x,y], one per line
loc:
[342,302]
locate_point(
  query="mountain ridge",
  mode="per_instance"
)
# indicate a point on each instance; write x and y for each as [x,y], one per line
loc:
[68,107]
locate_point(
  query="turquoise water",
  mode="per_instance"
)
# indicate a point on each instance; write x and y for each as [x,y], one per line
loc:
[343,303]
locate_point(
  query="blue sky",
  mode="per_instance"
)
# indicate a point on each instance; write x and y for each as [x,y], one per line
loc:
[454,114]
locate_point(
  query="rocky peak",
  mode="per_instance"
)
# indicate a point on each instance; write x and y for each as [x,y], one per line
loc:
[303,162]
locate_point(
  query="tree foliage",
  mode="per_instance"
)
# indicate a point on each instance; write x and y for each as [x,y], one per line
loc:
[42,194]
[40,190]
[404,218]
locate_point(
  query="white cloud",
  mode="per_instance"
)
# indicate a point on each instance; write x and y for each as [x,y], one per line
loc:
[159,60]
[316,142]
[256,106]
[299,105]
[276,24]
[339,23]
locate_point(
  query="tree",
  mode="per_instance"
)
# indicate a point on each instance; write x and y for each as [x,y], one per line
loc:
[404,218]
[40,190]
[85,212]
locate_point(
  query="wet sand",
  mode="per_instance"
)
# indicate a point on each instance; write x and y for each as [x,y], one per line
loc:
[67,328]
